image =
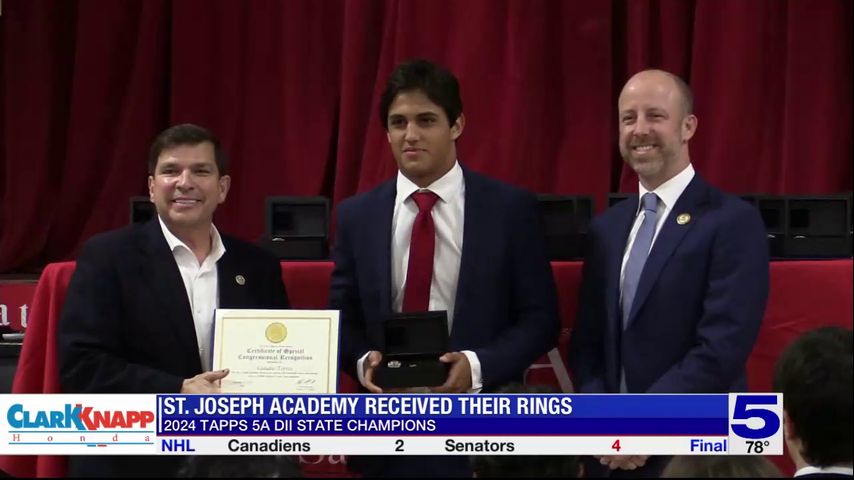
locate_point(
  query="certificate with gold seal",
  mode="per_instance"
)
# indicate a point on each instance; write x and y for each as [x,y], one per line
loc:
[277,351]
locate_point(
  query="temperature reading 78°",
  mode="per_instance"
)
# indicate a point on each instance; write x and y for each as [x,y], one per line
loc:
[757,446]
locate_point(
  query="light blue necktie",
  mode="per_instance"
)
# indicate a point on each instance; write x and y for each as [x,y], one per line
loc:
[639,253]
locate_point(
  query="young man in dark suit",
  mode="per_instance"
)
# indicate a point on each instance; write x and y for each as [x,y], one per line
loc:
[815,374]
[440,237]
[675,281]
[138,314]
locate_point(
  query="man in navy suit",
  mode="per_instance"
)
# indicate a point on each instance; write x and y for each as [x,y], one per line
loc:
[483,245]
[676,279]
[139,310]
[816,377]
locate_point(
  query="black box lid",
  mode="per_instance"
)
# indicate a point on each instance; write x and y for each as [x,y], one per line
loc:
[413,334]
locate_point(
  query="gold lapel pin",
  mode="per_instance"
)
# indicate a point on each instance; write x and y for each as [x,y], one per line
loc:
[683,218]
[240,279]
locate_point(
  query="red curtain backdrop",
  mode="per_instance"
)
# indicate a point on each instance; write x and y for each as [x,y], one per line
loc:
[291,88]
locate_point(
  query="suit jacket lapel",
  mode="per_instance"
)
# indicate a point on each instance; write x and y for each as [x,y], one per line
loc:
[231,293]
[164,278]
[668,239]
[473,235]
[382,242]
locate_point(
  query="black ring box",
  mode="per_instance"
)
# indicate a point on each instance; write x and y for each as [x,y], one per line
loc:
[412,345]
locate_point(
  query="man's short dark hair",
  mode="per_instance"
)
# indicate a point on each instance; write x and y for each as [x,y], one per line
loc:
[440,86]
[814,374]
[190,135]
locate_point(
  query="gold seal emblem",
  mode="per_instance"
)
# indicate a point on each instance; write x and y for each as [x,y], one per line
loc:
[276,332]
[683,218]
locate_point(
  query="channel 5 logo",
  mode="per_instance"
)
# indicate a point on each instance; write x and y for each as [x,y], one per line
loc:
[76,417]
[755,416]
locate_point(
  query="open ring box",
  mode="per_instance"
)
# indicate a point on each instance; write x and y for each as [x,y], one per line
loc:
[412,345]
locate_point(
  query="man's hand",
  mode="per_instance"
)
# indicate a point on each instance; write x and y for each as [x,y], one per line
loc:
[372,361]
[207,382]
[623,462]
[370,364]
[459,377]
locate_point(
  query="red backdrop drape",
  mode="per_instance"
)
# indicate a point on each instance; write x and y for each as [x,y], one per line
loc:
[291,87]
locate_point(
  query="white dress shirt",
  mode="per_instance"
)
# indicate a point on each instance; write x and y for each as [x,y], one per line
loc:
[202,285]
[448,217]
[448,220]
[668,193]
[809,469]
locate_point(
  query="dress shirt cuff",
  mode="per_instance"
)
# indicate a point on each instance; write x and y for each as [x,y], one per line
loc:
[360,370]
[476,375]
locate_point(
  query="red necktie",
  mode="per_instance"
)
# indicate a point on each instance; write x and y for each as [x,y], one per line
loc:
[419,273]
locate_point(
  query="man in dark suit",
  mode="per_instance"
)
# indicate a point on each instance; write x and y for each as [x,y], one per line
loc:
[676,279]
[815,374]
[440,237]
[138,314]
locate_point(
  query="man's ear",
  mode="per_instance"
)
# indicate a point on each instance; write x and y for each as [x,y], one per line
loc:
[224,186]
[458,126]
[689,127]
[789,432]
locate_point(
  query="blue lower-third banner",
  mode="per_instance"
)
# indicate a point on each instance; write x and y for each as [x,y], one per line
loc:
[416,424]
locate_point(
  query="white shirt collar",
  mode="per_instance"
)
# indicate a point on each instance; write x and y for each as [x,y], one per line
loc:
[445,187]
[669,191]
[217,248]
[809,469]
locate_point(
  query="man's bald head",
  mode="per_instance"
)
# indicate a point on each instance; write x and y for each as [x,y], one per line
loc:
[682,88]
